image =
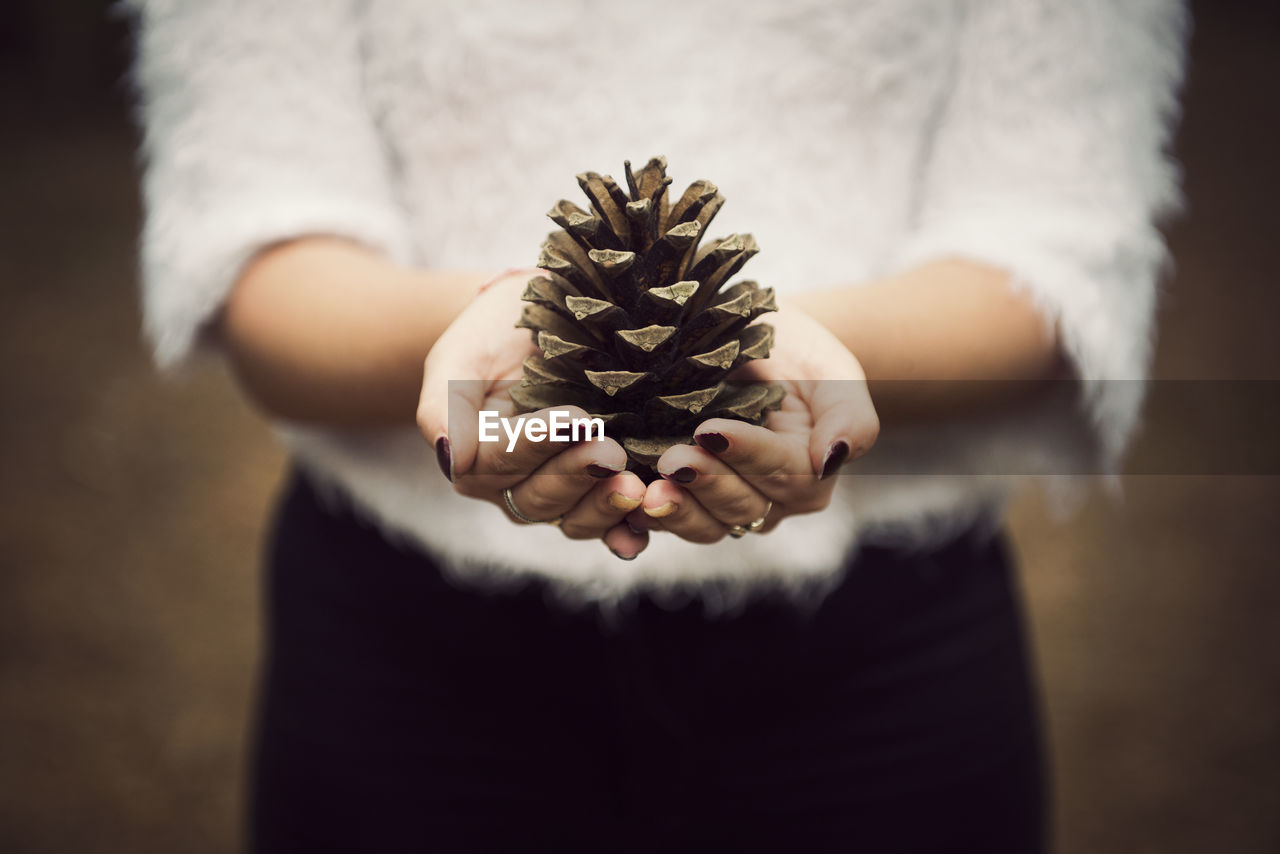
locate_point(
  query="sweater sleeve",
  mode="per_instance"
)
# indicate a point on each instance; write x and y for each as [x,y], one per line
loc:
[1048,161]
[255,131]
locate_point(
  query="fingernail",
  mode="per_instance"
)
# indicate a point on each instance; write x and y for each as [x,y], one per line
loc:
[618,501]
[620,555]
[444,458]
[663,510]
[716,443]
[836,455]
[684,474]
[638,523]
[601,472]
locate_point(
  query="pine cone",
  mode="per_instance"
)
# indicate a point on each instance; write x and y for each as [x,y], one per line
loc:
[634,321]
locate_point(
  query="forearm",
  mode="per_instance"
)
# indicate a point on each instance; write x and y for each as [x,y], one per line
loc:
[323,330]
[956,324]
[328,331]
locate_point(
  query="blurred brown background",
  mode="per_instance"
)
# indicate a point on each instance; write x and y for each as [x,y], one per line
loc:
[131,510]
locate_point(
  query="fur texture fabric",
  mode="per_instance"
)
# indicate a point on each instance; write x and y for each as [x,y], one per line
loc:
[853,140]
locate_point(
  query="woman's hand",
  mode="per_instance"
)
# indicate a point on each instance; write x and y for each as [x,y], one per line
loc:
[739,473]
[583,488]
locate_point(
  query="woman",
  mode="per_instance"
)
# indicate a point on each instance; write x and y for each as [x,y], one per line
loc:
[961,193]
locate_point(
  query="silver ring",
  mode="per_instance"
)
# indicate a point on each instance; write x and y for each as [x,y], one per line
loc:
[737,531]
[515,511]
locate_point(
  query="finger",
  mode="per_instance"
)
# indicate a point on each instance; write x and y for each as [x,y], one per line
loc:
[640,523]
[775,463]
[681,514]
[604,506]
[511,449]
[624,542]
[455,443]
[724,493]
[560,483]
[845,424]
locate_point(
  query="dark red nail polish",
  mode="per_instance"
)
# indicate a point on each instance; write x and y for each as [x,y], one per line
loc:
[444,458]
[836,455]
[713,442]
[618,554]
[598,471]
[684,474]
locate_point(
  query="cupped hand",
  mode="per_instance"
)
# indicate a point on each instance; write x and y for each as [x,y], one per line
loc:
[739,473]
[582,487]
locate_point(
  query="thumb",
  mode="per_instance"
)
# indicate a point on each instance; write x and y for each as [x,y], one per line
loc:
[845,424]
[449,408]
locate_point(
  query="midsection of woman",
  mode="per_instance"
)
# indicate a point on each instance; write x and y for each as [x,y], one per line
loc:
[957,192]
[856,144]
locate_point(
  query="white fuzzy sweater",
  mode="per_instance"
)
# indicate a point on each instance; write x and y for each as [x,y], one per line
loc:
[853,139]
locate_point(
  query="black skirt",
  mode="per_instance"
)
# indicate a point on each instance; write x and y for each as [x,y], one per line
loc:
[399,712]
